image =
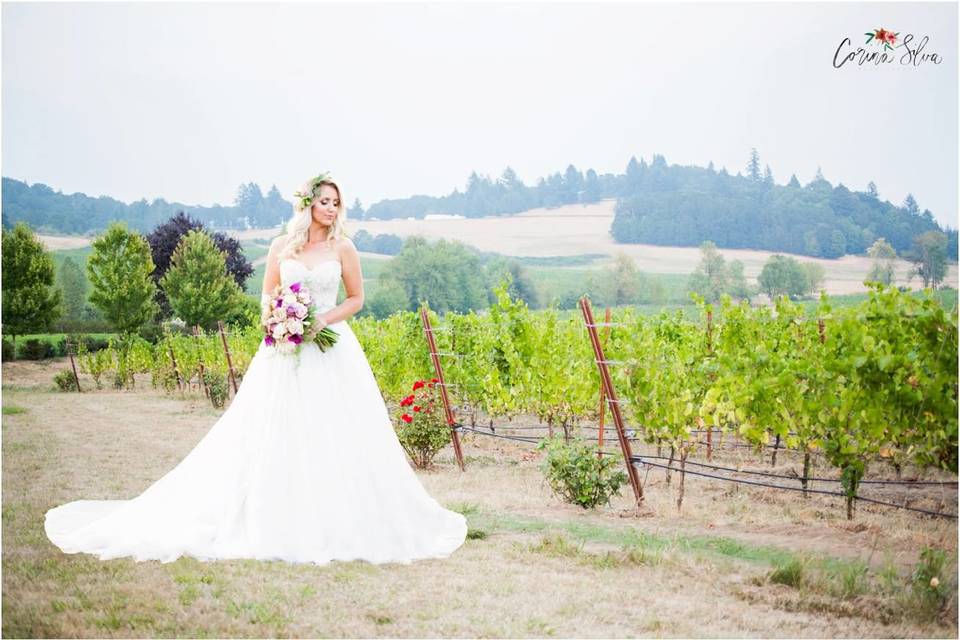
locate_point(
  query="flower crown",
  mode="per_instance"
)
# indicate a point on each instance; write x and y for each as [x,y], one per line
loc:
[310,190]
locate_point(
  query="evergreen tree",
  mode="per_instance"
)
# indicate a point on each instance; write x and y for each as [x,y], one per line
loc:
[251,205]
[592,189]
[197,284]
[910,204]
[119,270]
[572,184]
[753,166]
[768,176]
[31,304]
[278,209]
[509,179]
[633,177]
[355,212]
[872,190]
[74,286]
[793,181]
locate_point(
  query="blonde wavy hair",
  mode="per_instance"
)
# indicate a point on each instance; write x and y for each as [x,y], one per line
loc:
[298,226]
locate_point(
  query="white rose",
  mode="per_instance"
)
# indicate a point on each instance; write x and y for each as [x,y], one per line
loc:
[280,313]
[289,299]
[294,325]
[278,331]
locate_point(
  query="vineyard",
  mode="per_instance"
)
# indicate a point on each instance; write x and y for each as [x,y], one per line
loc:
[848,392]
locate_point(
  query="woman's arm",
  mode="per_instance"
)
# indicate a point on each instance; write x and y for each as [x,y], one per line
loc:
[271,277]
[352,285]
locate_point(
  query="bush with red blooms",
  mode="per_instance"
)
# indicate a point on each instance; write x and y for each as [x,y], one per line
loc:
[422,425]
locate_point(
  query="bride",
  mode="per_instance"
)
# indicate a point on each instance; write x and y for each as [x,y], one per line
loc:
[304,465]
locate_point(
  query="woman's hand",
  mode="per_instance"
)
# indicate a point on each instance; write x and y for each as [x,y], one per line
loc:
[321,323]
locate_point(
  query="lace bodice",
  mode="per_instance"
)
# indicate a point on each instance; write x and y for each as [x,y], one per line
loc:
[322,279]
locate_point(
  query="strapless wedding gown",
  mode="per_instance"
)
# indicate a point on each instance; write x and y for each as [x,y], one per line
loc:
[303,466]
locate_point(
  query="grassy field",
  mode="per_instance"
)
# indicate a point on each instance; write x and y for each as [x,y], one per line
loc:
[735,562]
[580,233]
[576,230]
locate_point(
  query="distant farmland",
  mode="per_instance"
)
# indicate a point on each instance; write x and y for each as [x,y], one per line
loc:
[575,230]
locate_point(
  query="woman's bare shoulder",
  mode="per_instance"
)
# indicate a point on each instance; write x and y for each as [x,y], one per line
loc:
[277,243]
[345,247]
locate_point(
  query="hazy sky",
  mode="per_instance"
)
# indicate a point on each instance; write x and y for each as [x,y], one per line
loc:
[186,101]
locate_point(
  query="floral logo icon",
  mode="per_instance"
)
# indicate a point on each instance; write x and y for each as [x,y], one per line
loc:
[882,36]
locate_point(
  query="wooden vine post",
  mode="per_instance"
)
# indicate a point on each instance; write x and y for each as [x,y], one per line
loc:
[176,368]
[226,351]
[438,369]
[709,352]
[603,395]
[203,379]
[612,400]
[71,349]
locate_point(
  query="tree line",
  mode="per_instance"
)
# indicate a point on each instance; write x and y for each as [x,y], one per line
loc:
[181,269]
[657,203]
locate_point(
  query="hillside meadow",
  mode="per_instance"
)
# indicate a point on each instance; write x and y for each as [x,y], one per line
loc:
[572,231]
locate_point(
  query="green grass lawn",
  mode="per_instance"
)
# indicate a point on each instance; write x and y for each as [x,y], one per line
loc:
[553,275]
[53,338]
[947,298]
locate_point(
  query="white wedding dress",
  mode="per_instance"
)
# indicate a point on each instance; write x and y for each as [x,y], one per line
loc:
[303,466]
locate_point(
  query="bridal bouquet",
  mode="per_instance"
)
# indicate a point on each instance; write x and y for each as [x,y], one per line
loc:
[289,319]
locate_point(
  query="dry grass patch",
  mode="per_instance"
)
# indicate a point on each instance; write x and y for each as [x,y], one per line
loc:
[531,566]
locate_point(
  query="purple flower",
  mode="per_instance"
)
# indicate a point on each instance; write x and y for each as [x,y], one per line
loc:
[279,302]
[295,338]
[291,312]
[295,287]
[268,340]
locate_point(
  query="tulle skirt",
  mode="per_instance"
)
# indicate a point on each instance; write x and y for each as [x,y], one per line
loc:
[303,466]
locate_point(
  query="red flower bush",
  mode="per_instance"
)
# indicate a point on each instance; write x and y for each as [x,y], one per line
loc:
[423,431]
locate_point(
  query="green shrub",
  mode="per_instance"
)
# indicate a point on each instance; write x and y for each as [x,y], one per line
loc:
[929,585]
[60,347]
[217,386]
[578,475]
[96,363]
[789,573]
[8,353]
[164,377]
[65,380]
[35,349]
[422,426]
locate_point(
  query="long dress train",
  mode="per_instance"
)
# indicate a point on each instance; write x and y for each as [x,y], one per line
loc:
[303,466]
